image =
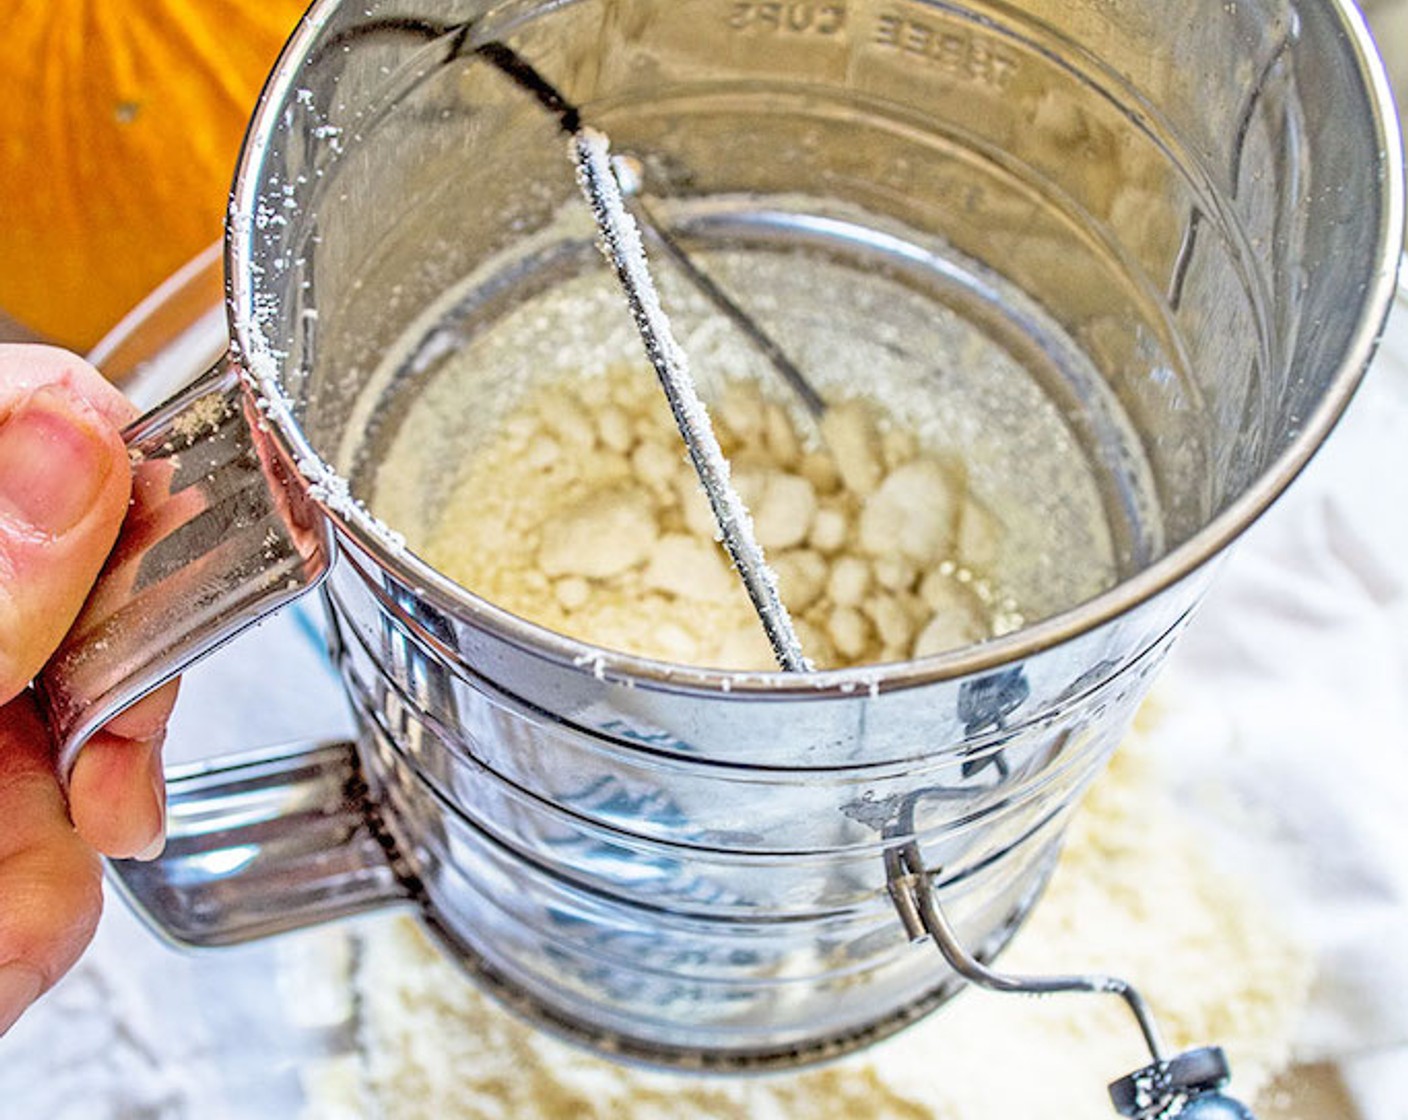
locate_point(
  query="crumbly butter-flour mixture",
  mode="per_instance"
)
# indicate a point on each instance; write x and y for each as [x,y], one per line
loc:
[1134,895]
[585,516]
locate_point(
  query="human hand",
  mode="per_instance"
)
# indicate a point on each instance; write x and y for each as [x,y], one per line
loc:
[65,482]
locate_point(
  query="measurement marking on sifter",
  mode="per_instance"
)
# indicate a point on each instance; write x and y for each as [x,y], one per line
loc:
[795,19]
[955,52]
[960,54]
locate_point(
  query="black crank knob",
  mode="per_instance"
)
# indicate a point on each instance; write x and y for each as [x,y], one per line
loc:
[1188,1087]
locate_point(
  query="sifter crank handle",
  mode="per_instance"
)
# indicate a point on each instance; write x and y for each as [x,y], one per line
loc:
[1188,1086]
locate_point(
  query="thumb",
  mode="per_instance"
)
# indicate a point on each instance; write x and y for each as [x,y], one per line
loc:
[64,487]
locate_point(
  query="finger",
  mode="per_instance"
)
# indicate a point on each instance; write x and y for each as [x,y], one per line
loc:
[26,368]
[118,796]
[117,793]
[50,880]
[146,719]
[27,371]
[64,488]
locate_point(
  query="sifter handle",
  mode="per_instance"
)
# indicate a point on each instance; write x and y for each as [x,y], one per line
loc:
[265,843]
[220,532]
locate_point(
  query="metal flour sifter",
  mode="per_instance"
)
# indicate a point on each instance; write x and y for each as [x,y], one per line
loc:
[686,866]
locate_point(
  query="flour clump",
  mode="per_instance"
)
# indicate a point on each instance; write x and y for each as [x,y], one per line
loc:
[582,513]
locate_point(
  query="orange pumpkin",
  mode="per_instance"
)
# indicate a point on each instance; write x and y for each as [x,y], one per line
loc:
[120,122]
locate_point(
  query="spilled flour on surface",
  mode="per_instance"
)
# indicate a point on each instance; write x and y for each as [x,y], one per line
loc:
[1134,895]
